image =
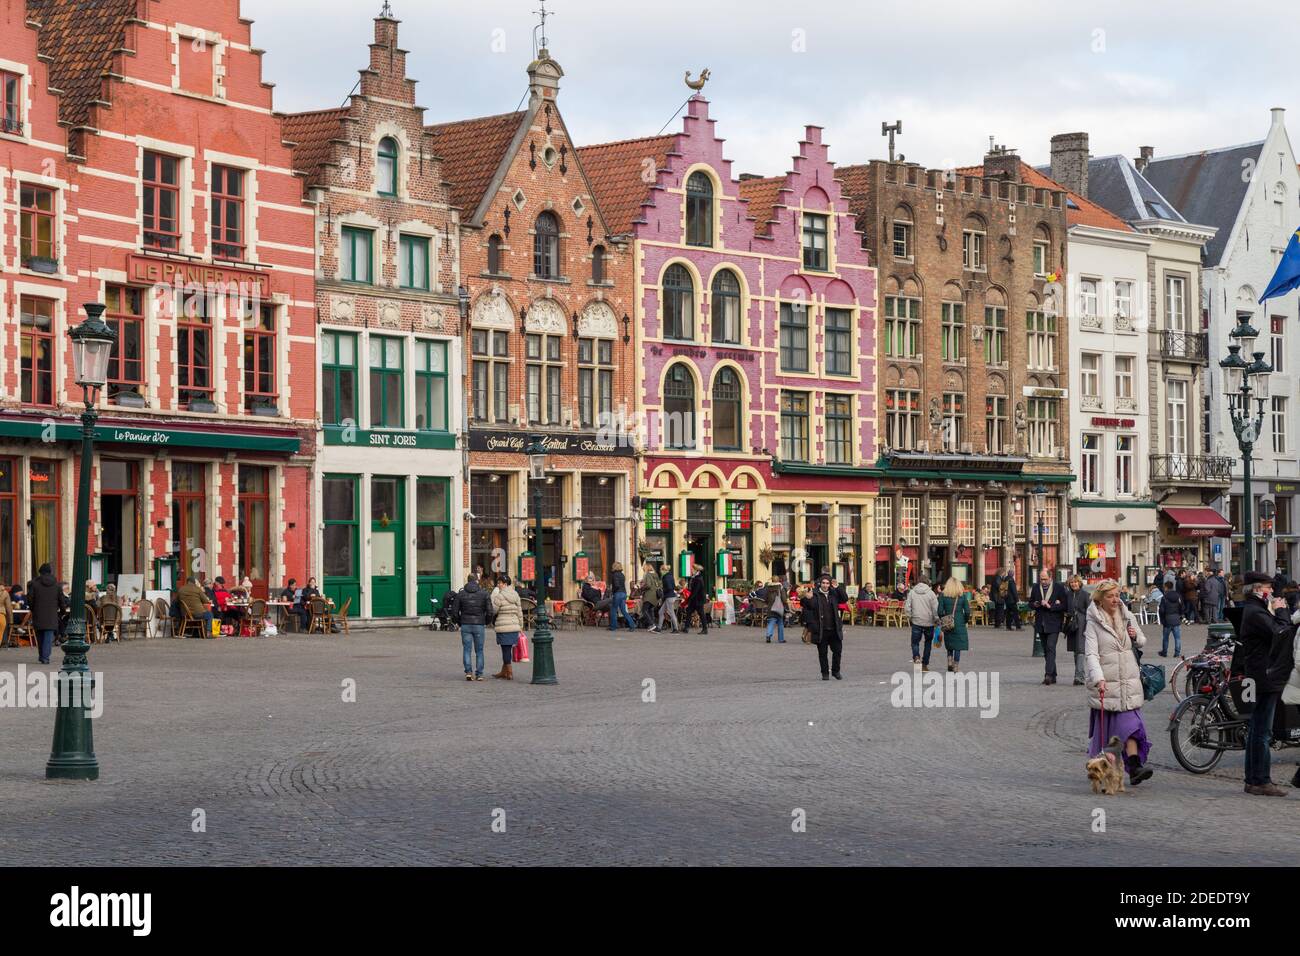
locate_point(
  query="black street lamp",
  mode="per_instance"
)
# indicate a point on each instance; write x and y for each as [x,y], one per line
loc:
[1039,495]
[73,755]
[543,640]
[1238,375]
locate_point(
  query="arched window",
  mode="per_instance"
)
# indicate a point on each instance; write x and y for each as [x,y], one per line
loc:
[494,254]
[546,247]
[699,209]
[726,411]
[725,306]
[598,264]
[679,408]
[679,303]
[386,171]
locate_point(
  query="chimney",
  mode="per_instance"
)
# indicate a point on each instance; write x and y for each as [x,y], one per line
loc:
[746,177]
[1144,158]
[1002,162]
[1278,115]
[1070,162]
[543,77]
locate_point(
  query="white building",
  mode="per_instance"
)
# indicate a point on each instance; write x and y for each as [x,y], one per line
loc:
[1249,193]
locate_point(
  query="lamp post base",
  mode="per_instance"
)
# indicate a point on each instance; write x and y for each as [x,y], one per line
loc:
[544,657]
[1038,645]
[73,754]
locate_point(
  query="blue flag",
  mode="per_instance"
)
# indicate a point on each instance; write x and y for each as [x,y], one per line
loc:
[1287,276]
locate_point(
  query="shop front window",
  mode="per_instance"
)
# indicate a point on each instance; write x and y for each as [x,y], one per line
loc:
[188,508]
[44,481]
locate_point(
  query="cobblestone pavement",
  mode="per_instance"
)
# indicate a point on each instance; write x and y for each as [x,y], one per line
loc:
[255,733]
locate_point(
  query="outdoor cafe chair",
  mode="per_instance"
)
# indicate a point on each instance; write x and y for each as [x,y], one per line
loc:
[191,623]
[256,617]
[162,615]
[341,616]
[575,613]
[320,615]
[142,622]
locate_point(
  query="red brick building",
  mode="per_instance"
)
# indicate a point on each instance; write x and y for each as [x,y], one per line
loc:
[551,348]
[148,173]
[387,240]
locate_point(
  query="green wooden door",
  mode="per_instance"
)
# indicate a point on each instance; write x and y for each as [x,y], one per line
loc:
[432,542]
[342,539]
[387,547]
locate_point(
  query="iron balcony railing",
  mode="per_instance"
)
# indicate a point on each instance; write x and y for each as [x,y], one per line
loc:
[1203,468]
[1185,346]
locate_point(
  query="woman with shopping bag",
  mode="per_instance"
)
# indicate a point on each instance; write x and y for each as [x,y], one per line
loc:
[509,623]
[1114,681]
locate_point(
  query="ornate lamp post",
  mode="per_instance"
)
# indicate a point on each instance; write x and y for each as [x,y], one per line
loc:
[73,755]
[1247,379]
[1039,495]
[543,640]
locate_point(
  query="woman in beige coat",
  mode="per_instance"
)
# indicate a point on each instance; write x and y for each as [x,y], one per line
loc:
[508,623]
[1114,681]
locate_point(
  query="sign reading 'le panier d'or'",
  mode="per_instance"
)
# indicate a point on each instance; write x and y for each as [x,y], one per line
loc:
[517,443]
[149,271]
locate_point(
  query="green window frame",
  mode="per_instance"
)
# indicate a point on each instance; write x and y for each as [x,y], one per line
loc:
[358,255]
[338,377]
[431,413]
[794,337]
[413,262]
[953,322]
[386,170]
[387,382]
[902,327]
[341,538]
[794,426]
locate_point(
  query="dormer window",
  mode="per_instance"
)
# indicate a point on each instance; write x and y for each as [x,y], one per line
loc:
[386,170]
[699,210]
[815,235]
[546,247]
[11,111]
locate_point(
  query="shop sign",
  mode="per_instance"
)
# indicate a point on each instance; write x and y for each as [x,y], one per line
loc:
[143,270]
[152,437]
[517,442]
[1030,391]
[1098,422]
[1284,487]
[346,435]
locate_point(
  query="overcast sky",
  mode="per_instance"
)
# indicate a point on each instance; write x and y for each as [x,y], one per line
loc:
[1179,76]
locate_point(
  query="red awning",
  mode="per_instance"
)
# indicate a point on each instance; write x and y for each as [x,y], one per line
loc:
[1199,522]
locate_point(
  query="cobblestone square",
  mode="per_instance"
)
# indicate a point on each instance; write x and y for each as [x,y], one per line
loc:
[740,735]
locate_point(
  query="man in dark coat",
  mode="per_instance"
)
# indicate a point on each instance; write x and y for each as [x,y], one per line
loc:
[1006,600]
[1266,634]
[821,615]
[1172,614]
[698,602]
[471,606]
[46,599]
[1214,593]
[1049,600]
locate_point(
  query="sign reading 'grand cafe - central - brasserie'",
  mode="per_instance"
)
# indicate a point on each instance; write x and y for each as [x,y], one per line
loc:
[578,444]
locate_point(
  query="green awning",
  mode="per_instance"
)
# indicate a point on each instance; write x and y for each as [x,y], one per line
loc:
[118,433]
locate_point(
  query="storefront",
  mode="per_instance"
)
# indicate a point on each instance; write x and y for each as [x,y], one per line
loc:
[1107,539]
[167,503]
[1185,536]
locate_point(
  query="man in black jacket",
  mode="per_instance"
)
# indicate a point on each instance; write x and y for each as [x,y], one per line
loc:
[1049,601]
[821,615]
[1006,600]
[46,599]
[1266,634]
[471,606]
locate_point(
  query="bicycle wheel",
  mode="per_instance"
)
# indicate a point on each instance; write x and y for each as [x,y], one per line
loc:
[1189,690]
[1193,735]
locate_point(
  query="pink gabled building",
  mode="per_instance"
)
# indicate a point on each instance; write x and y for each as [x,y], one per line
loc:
[755,306]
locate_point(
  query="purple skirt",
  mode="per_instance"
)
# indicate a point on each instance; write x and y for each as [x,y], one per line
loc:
[1123,724]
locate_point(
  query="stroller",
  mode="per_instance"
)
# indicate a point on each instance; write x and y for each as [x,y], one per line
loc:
[443,619]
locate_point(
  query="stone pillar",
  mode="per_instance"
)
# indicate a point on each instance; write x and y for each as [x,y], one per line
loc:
[978,559]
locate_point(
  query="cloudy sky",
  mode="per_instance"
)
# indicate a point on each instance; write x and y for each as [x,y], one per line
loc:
[1179,76]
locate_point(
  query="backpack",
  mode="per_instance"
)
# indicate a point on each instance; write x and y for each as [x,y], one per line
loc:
[1003,588]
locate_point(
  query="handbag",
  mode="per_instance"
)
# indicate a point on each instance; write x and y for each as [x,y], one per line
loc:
[938,636]
[521,649]
[1151,675]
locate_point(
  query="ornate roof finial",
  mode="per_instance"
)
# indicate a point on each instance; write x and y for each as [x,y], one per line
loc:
[387,12]
[542,15]
[697,85]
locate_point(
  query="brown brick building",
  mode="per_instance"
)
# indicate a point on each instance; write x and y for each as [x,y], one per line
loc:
[550,346]
[387,238]
[973,363]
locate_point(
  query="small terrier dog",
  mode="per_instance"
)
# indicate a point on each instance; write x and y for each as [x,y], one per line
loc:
[1105,770]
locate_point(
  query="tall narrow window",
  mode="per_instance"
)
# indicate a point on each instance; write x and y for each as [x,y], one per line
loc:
[125,314]
[679,303]
[726,411]
[902,327]
[358,255]
[902,234]
[194,352]
[1277,326]
[491,376]
[431,386]
[1042,427]
[954,421]
[839,430]
[1090,465]
[699,209]
[995,336]
[37,224]
[725,306]
[1124,465]
[953,332]
[494,254]
[1090,379]
[595,381]
[387,403]
[794,426]
[546,246]
[1089,313]
[995,424]
[902,418]
[1124,380]
[413,263]
[972,250]
[161,202]
[1279,425]
[598,264]
[260,390]
[37,355]
[189,500]
[1123,301]
[227,212]
[1176,417]
[839,342]
[1041,330]
[386,170]
[679,408]
[338,378]
[544,378]
[1175,304]
[815,242]
[794,337]
[11,110]
[46,502]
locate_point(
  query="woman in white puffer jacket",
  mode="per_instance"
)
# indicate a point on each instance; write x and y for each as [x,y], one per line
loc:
[1114,681]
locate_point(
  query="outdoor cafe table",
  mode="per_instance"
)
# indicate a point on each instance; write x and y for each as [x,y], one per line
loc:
[21,616]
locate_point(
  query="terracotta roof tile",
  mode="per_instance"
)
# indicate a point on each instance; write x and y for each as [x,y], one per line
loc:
[855,185]
[1080,211]
[616,172]
[81,38]
[471,151]
[762,195]
[312,136]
